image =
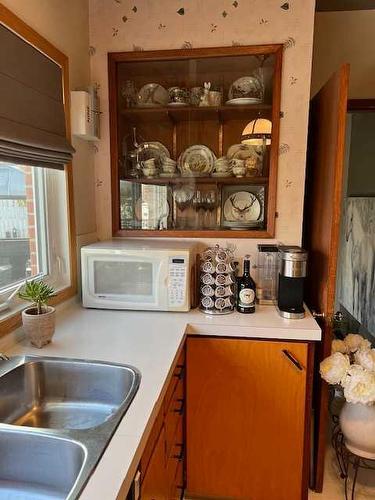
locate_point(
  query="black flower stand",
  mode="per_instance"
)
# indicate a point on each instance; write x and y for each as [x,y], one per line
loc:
[348,461]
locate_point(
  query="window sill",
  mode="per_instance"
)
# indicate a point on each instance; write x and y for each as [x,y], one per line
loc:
[12,318]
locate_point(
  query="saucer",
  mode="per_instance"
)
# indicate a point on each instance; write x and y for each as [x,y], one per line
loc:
[163,174]
[222,174]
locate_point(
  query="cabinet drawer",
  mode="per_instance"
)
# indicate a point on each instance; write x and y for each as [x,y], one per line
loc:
[177,376]
[177,485]
[174,417]
[147,454]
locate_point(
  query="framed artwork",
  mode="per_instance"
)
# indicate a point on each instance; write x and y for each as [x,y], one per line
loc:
[357,279]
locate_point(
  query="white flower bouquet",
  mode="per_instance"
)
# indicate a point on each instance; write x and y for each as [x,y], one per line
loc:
[352,366]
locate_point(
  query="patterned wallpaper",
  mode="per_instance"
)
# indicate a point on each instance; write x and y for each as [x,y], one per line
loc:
[123,25]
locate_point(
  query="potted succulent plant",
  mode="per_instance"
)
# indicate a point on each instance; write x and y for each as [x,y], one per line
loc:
[351,366]
[39,320]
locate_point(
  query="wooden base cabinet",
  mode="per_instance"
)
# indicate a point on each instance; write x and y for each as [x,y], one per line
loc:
[162,462]
[246,419]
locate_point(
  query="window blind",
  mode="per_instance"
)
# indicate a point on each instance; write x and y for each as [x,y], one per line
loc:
[32,117]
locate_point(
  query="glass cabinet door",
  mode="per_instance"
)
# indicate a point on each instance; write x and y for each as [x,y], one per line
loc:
[196,140]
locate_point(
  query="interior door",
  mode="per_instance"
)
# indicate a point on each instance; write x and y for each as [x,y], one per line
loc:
[323,199]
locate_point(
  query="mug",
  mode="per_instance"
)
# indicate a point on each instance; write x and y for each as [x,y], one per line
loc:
[214,98]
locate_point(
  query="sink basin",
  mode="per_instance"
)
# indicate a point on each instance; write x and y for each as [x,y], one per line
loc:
[57,416]
[37,467]
[59,393]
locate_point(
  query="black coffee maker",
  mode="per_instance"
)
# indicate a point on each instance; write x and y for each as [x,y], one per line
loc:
[292,273]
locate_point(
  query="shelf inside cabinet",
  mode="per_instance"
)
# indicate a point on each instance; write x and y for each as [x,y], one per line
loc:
[198,180]
[193,113]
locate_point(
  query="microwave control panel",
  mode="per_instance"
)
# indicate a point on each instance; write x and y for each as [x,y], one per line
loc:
[176,281]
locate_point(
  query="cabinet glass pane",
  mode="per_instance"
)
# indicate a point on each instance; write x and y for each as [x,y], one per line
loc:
[189,128]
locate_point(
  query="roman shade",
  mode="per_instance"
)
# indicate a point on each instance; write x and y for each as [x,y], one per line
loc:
[32,118]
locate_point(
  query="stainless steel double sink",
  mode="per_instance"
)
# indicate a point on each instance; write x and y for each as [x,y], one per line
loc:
[57,416]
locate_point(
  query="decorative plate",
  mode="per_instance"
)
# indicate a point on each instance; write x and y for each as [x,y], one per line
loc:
[242,101]
[242,207]
[152,95]
[177,104]
[197,161]
[155,149]
[246,87]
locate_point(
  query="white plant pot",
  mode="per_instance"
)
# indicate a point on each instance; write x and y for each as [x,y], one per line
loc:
[357,422]
[39,327]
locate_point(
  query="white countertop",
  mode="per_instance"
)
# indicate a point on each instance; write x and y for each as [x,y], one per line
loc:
[150,341]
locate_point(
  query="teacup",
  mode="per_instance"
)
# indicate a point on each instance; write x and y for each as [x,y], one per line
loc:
[214,98]
[169,161]
[238,167]
[150,163]
[149,172]
[222,164]
[239,171]
[169,169]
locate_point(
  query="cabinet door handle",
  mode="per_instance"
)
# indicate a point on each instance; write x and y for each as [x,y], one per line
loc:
[292,359]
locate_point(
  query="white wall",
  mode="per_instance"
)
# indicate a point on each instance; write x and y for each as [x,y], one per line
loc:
[345,37]
[65,25]
[115,26]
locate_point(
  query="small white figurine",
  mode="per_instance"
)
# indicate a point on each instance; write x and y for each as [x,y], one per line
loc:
[205,97]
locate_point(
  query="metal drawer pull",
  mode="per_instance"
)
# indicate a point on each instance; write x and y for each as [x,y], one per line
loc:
[181,409]
[291,358]
[180,455]
[180,373]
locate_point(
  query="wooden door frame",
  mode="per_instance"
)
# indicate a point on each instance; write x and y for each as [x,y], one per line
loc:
[321,394]
[365,105]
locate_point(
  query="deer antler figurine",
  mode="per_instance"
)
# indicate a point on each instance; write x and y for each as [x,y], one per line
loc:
[241,211]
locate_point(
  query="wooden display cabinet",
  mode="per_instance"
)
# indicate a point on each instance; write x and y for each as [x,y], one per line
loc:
[192,202]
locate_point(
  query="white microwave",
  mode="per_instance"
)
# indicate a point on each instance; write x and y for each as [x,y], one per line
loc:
[136,274]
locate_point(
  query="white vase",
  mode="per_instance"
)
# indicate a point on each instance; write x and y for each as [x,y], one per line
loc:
[39,327]
[357,422]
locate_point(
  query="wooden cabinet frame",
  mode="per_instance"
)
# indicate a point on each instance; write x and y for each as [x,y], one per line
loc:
[118,57]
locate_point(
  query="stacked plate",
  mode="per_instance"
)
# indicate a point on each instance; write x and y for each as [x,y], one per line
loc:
[196,161]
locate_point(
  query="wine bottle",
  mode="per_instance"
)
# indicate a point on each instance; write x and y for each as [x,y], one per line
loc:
[246,290]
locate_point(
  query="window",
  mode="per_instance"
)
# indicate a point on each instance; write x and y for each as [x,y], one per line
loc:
[23,243]
[36,216]
[33,226]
